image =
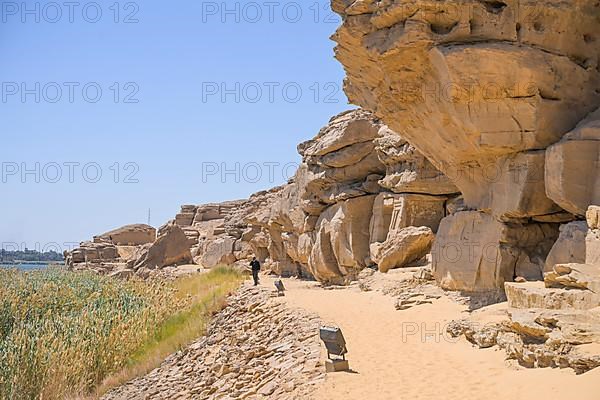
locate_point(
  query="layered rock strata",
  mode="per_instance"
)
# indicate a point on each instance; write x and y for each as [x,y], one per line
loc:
[502,97]
[352,203]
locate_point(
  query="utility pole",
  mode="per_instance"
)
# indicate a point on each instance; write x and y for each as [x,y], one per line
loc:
[149,216]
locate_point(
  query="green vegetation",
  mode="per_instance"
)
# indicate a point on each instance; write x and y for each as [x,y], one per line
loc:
[65,334]
[7,256]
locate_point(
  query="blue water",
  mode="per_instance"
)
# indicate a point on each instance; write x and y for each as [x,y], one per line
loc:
[27,267]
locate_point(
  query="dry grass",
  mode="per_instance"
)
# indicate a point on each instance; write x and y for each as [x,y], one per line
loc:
[65,333]
[204,295]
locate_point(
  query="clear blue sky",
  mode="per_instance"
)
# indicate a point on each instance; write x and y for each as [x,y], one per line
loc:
[168,121]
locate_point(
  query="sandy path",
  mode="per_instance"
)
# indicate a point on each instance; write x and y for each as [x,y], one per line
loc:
[392,362]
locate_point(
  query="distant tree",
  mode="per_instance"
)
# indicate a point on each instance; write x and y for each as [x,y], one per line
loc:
[30,255]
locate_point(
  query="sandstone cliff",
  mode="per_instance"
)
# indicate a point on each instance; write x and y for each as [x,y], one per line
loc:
[502,97]
[352,204]
[480,125]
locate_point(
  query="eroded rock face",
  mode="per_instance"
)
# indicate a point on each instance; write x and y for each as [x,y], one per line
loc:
[407,170]
[341,246]
[499,96]
[358,183]
[340,162]
[359,187]
[475,252]
[472,85]
[219,251]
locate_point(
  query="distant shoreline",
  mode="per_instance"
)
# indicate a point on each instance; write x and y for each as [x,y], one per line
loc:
[18,262]
[28,265]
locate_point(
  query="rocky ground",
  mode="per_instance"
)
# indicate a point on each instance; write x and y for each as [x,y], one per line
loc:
[256,348]
[397,323]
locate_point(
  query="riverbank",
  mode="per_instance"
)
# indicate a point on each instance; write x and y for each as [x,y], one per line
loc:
[256,348]
[393,354]
[63,334]
[29,265]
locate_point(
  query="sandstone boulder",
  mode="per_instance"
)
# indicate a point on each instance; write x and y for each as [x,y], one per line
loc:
[345,129]
[579,276]
[592,247]
[170,248]
[129,235]
[341,245]
[218,252]
[475,252]
[593,217]
[94,252]
[127,253]
[536,295]
[402,247]
[570,246]
[573,167]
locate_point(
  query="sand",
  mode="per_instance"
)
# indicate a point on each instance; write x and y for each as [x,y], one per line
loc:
[406,354]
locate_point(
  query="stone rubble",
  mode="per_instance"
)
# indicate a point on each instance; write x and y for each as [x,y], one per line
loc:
[255,348]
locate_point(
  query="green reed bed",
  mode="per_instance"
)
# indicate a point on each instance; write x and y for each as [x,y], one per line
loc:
[64,333]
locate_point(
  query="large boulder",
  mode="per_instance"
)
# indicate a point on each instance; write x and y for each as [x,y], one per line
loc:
[341,247]
[536,295]
[475,252]
[170,248]
[129,235]
[579,276]
[570,246]
[573,167]
[402,247]
[219,251]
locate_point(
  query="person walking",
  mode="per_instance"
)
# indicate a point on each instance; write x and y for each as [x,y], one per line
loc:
[255,265]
